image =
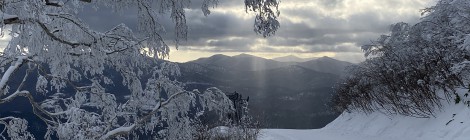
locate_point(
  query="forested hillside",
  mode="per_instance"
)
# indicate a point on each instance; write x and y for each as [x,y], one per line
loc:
[282,95]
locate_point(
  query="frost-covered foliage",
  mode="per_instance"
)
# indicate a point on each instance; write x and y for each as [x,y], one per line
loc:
[52,43]
[404,69]
[266,22]
[244,128]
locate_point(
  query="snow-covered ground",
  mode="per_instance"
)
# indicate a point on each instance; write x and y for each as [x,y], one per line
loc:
[318,134]
[452,122]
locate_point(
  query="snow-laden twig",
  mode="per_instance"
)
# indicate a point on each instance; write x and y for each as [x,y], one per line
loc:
[68,54]
[8,19]
[128,129]
[6,76]
[12,96]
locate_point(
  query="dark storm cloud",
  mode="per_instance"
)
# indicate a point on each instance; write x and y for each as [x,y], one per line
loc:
[222,44]
[199,26]
[232,43]
[217,25]
[326,40]
[230,32]
[295,34]
[327,24]
[104,19]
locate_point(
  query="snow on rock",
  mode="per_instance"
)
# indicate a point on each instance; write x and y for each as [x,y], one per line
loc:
[452,122]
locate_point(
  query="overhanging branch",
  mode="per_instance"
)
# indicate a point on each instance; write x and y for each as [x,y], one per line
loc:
[53,36]
[123,130]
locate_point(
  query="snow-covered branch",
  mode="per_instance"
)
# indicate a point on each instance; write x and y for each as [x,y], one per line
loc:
[12,96]
[7,74]
[75,67]
[127,129]
[55,37]
[9,19]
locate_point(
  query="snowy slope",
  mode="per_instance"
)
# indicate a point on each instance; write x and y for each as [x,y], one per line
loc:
[318,134]
[376,126]
[457,128]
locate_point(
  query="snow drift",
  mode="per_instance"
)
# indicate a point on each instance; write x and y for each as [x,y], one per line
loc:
[451,122]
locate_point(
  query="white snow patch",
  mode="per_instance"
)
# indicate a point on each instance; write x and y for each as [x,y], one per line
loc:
[444,126]
[377,126]
[318,134]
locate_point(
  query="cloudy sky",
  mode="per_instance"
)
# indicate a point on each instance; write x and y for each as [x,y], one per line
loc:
[309,28]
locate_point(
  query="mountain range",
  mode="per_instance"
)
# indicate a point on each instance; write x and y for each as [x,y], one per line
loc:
[242,62]
[282,94]
[292,58]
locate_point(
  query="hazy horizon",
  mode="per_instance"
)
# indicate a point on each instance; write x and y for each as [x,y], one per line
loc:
[272,56]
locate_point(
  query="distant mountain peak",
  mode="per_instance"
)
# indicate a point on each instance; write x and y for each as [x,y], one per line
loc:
[326,58]
[292,58]
[218,55]
[289,56]
[240,62]
[245,55]
[330,59]
[326,64]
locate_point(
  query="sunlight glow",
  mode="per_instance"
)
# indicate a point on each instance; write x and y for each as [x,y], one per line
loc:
[186,55]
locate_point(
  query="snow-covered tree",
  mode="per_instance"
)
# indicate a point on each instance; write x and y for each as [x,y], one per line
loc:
[406,70]
[60,52]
